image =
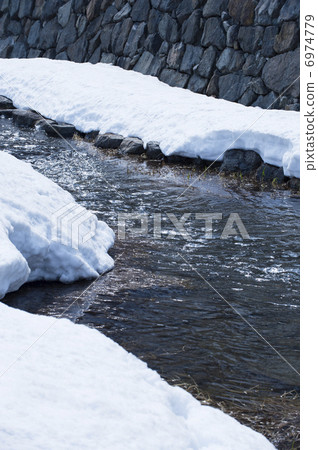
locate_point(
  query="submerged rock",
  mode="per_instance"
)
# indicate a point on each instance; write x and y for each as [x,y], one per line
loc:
[25,118]
[153,150]
[109,140]
[132,146]
[243,161]
[5,103]
[61,130]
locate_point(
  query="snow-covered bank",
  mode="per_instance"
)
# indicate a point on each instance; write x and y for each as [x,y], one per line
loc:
[110,99]
[76,389]
[37,240]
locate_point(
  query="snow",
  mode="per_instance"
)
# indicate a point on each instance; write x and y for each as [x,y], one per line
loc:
[110,99]
[74,388]
[36,238]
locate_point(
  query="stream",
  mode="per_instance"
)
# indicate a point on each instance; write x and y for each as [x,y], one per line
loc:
[179,304]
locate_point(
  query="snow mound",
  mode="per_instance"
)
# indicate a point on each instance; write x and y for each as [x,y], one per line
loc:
[44,234]
[76,389]
[110,99]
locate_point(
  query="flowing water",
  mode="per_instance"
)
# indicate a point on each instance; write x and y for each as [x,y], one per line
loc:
[179,304]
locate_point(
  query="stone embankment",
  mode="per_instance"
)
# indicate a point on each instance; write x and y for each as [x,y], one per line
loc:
[245,51]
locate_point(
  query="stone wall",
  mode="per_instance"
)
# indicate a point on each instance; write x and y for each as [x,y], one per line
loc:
[245,51]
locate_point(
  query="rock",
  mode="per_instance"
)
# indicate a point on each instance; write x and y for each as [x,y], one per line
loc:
[267,10]
[14,27]
[153,21]
[34,53]
[233,86]
[94,27]
[109,15]
[62,56]
[230,60]
[19,50]
[144,63]
[153,43]
[5,103]
[197,84]
[25,118]
[140,11]
[123,13]
[168,29]
[168,5]
[191,58]
[253,65]
[6,46]
[269,173]
[77,51]
[132,146]
[280,73]
[91,135]
[294,184]
[153,151]
[48,34]
[213,34]
[250,38]
[248,97]
[288,37]
[81,23]
[290,11]
[63,14]
[213,86]
[61,130]
[164,49]
[269,40]
[4,5]
[269,101]
[67,36]
[191,32]
[6,113]
[242,161]
[258,86]
[93,9]
[108,58]
[175,55]
[124,62]
[93,45]
[50,9]
[106,36]
[174,78]
[14,9]
[242,11]
[4,22]
[118,44]
[34,34]
[184,10]
[26,8]
[176,159]
[109,140]
[137,33]
[231,36]
[206,65]
[214,7]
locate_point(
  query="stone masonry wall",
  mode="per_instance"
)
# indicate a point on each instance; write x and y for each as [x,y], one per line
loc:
[246,51]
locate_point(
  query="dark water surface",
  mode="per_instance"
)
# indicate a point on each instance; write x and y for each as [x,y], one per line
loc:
[153,303]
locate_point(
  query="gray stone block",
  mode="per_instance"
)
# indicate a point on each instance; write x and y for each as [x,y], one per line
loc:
[281,72]
[168,29]
[214,7]
[250,38]
[153,151]
[140,11]
[242,161]
[288,37]
[213,34]
[191,31]
[253,65]
[5,103]
[269,40]
[191,58]
[175,55]
[25,118]
[230,60]
[233,86]
[267,10]
[64,12]
[197,83]
[290,11]
[207,63]
[174,78]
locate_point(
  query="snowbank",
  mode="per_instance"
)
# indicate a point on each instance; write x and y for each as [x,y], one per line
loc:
[76,389]
[106,98]
[44,234]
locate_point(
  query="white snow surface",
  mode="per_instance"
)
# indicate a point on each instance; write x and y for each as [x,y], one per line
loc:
[76,389]
[31,247]
[110,99]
